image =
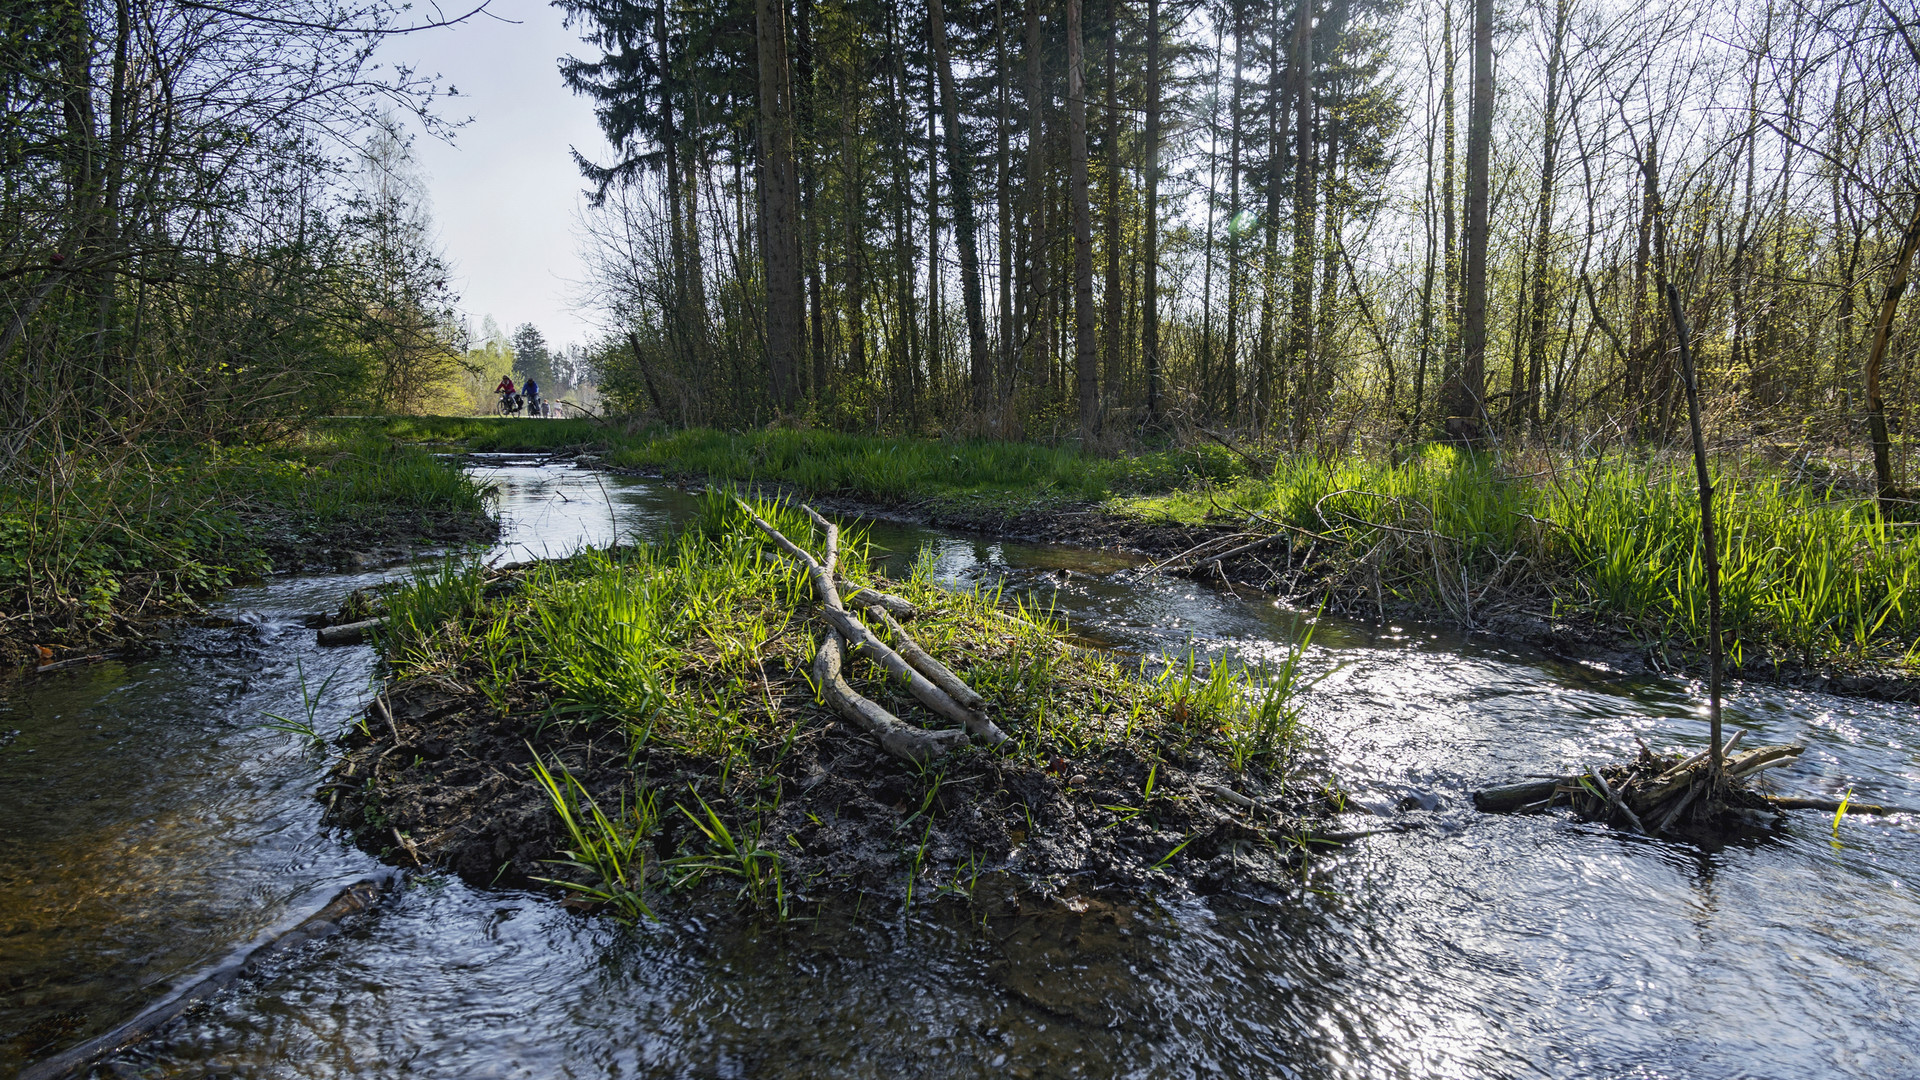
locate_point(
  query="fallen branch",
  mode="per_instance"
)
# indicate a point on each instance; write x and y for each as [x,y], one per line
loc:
[861,639]
[858,637]
[1607,790]
[1832,806]
[923,662]
[352,633]
[1242,549]
[822,582]
[895,736]
[860,596]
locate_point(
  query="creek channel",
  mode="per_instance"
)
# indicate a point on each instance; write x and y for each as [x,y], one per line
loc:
[154,828]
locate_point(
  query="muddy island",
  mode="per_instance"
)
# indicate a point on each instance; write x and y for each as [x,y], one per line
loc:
[636,722]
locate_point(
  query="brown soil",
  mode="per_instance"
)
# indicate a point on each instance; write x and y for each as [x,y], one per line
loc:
[449,785]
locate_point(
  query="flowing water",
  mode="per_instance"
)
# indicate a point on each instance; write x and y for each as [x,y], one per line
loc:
[153,827]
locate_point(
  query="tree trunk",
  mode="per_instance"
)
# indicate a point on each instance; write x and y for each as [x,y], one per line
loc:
[1876,403]
[1035,291]
[1277,113]
[1150,288]
[809,174]
[1003,182]
[1085,349]
[780,250]
[1300,320]
[960,182]
[1226,393]
[1213,203]
[1472,400]
[1114,313]
[1529,408]
[1449,217]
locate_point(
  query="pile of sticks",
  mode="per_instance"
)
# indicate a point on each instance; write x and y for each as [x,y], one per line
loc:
[930,682]
[1658,794]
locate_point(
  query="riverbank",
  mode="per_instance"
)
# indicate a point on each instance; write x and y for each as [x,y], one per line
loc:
[1592,559]
[654,714]
[98,553]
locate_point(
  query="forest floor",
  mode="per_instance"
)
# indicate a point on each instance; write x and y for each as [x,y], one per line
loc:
[1593,558]
[100,554]
[635,722]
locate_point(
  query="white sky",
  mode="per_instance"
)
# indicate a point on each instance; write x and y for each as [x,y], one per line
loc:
[505,190]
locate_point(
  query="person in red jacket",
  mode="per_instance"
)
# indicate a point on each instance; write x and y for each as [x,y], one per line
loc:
[506,385]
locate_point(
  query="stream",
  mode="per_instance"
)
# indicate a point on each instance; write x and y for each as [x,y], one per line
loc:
[155,828]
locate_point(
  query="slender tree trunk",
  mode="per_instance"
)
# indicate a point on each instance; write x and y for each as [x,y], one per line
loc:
[1114,313]
[1213,202]
[780,254]
[1225,396]
[936,340]
[1085,348]
[1638,349]
[1426,288]
[1003,192]
[1473,361]
[812,241]
[1277,111]
[1449,217]
[1543,226]
[1036,339]
[676,314]
[1300,322]
[906,321]
[965,236]
[1150,287]
[854,218]
[1876,402]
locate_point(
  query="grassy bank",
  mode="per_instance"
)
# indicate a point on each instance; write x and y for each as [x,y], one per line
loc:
[653,711]
[92,544]
[886,470]
[1810,569]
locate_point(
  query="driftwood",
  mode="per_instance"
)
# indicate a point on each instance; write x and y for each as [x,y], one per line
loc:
[1511,797]
[1615,800]
[859,596]
[1832,806]
[1659,790]
[928,680]
[896,737]
[352,633]
[923,662]
[918,683]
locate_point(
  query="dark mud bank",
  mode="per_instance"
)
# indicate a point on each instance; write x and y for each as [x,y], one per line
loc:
[382,538]
[438,777]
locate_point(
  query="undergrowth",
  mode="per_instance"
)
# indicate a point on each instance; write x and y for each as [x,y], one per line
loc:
[88,540]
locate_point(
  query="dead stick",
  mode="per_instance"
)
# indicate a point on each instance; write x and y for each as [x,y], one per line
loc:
[1802,802]
[1243,548]
[926,664]
[1679,805]
[862,596]
[822,584]
[1696,759]
[921,687]
[896,737]
[1607,789]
